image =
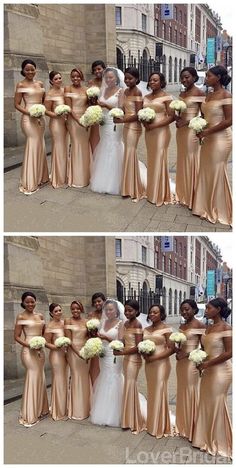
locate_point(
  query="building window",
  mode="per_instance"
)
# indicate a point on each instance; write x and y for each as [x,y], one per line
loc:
[163,31]
[176,36]
[156,33]
[181,271]
[176,303]
[180,17]
[180,249]
[118,248]
[118,16]
[144,255]
[175,245]
[175,268]
[185,277]
[175,13]
[175,70]
[170,266]
[170,69]
[170,33]
[170,301]
[180,39]
[144,22]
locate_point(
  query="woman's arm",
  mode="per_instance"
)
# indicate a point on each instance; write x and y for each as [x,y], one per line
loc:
[170,117]
[227,122]
[134,350]
[169,350]
[227,354]
[48,104]
[17,101]
[17,334]
[48,337]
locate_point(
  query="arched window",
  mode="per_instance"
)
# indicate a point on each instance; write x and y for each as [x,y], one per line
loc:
[120,59]
[180,297]
[184,63]
[144,74]
[144,306]
[170,301]
[170,69]
[180,66]
[120,291]
[176,303]
[164,65]
[175,70]
[185,295]
[164,297]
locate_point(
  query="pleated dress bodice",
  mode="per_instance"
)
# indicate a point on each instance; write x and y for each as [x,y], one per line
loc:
[214,113]
[79,101]
[130,110]
[158,337]
[193,104]
[79,333]
[31,327]
[129,340]
[214,345]
[158,105]
[32,96]
[193,336]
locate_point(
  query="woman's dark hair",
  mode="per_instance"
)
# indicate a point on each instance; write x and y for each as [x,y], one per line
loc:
[52,307]
[97,63]
[221,71]
[79,72]
[134,304]
[162,311]
[24,63]
[115,304]
[52,74]
[225,311]
[96,296]
[192,72]
[162,79]
[78,304]
[26,294]
[113,70]
[134,72]
[192,304]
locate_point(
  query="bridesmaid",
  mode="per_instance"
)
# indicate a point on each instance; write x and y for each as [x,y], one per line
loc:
[157,369]
[57,126]
[79,160]
[79,391]
[213,199]
[132,417]
[157,137]
[34,400]
[57,359]
[34,171]
[98,300]
[132,185]
[98,68]
[188,379]
[188,148]
[213,431]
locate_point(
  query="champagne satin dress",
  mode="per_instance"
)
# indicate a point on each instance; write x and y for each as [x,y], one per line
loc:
[213,198]
[131,412]
[80,385]
[157,143]
[34,399]
[188,153]
[59,159]
[157,375]
[58,362]
[79,157]
[131,181]
[213,431]
[34,169]
[188,386]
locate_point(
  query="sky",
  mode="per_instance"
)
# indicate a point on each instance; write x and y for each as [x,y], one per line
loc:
[225,242]
[226,12]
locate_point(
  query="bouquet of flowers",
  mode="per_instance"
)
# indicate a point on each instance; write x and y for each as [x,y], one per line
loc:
[93,115]
[178,105]
[197,356]
[93,347]
[37,111]
[117,346]
[37,342]
[116,112]
[178,338]
[62,341]
[198,124]
[146,115]
[146,347]
[63,109]
[93,326]
[93,94]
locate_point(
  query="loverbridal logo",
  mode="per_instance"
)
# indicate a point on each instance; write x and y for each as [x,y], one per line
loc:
[182,456]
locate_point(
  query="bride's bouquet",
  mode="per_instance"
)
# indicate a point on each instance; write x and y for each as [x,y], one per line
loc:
[62,342]
[37,342]
[198,124]
[117,346]
[178,338]
[146,347]
[146,115]
[93,326]
[63,109]
[92,116]
[93,347]
[197,356]
[93,94]
[37,111]
[178,106]
[116,112]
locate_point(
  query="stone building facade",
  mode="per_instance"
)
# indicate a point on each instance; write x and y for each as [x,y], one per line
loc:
[56,269]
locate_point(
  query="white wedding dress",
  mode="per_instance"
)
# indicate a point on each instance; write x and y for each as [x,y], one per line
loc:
[108,389]
[107,164]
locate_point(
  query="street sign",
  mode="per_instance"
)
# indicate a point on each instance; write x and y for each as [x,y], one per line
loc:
[167,243]
[167,11]
[211,50]
[211,283]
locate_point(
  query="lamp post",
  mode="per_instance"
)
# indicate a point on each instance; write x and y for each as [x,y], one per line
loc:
[226,47]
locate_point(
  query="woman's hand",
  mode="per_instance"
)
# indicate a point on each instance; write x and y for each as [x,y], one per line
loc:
[149,358]
[103,337]
[149,126]
[180,354]
[203,365]
[179,122]
[103,104]
[118,121]
[203,134]
[118,353]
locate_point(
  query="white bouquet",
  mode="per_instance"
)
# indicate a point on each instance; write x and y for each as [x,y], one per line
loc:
[37,342]
[93,115]
[117,346]
[197,356]
[146,115]
[116,112]
[63,109]
[146,347]
[198,124]
[178,105]
[178,338]
[62,341]
[93,347]
[93,324]
[92,92]
[37,111]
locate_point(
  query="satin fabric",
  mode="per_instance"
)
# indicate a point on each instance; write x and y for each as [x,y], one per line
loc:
[188,153]
[79,157]
[188,386]
[57,359]
[94,369]
[59,135]
[34,168]
[157,375]
[213,431]
[131,412]
[213,198]
[157,143]
[80,385]
[131,181]
[34,403]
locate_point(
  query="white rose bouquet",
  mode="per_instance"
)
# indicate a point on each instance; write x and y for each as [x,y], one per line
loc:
[62,342]
[146,347]
[117,346]
[197,356]
[93,326]
[116,112]
[37,111]
[37,342]
[198,124]
[63,109]
[178,338]
[93,94]
[178,106]
[93,347]
[146,115]
[93,115]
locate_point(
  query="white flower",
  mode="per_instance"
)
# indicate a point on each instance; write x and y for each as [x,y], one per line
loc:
[94,91]
[178,105]
[93,324]
[178,337]
[37,110]
[146,115]
[93,347]
[116,112]
[146,347]
[62,109]
[37,342]
[62,341]
[197,356]
[197,124]
[93,115]
[116,345]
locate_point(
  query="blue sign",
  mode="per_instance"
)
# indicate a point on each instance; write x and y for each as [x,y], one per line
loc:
[167,243]
[211,50]
[211,287]
[167,11]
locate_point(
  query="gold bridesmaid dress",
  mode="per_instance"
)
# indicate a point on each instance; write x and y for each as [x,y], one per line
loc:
[213,198]
[157,142]
[131,412]
[188,153]
[34,399]
[59,135]
[79,157]
[57,359]
[157,375]
[131,181]
[34,169]
[80,385]
[188,386]
[213,431]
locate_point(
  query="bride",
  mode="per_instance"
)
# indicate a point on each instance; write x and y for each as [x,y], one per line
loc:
[106,168]
[108,388]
